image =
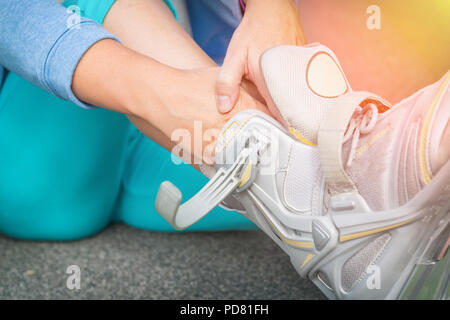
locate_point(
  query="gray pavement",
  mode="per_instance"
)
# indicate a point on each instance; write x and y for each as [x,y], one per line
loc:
[126,263]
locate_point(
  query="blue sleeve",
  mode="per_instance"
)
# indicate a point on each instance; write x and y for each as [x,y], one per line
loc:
[42,42]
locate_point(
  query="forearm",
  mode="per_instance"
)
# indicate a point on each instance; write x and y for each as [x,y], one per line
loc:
[149,27]
[158,98]
[280,9]
[124,80]
[109,74]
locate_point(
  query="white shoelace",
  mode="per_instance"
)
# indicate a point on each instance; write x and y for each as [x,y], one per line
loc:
[362,122]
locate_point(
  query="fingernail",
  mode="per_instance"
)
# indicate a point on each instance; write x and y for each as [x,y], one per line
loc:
[224,103]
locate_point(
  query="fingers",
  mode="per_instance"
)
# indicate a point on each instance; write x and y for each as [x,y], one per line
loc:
[229,81]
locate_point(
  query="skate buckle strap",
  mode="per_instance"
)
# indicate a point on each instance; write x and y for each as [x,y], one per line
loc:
[222,184]
[331,137]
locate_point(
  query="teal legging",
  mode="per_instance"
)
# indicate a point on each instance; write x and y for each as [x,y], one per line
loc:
[66,172]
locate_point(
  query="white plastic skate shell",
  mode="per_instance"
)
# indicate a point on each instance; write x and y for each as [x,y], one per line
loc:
[318,240]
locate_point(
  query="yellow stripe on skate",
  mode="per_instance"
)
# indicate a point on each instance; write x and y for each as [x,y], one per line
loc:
[295,243]
[369,232]
[299,137]
[308,258]
[246,175]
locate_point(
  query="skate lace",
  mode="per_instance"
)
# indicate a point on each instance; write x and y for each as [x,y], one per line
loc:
[362,122]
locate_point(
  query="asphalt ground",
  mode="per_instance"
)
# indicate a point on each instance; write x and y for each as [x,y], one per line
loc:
[122,262]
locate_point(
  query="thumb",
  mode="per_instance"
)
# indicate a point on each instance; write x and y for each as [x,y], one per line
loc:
[229,81]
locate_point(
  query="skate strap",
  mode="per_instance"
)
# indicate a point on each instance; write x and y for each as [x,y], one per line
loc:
[331,138]
[222,184]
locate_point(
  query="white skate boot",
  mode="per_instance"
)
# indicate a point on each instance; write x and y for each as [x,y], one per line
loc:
[358,230]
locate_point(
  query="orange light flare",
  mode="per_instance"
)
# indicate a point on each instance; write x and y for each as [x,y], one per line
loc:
[409,51]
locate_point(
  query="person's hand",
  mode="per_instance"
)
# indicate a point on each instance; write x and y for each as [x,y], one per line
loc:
[266,24]
[186,119]
[163,102]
